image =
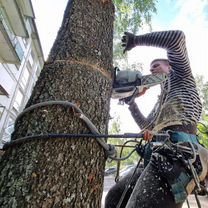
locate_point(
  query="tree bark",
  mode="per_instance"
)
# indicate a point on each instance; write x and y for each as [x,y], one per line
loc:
[65,172]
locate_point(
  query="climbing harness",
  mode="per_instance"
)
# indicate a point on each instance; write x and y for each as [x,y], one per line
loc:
[185,160]
[181,165]
[140,149]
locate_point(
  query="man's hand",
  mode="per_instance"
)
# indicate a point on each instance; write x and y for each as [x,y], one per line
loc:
[128,41]
[130,100]
[142,92]
[148,136]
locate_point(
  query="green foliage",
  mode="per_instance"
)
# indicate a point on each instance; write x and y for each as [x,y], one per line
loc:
[130,15]
[202,87]
[133,14]
[115,129]
[203,131]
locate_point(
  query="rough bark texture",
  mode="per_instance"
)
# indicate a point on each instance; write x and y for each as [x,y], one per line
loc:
[59,172]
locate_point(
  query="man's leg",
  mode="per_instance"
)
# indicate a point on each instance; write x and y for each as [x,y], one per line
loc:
[114,195]
[152,191]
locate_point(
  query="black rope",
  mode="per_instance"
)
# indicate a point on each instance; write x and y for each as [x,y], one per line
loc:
[66,136]
[109,149]
[128,185]
[121,152]
[121,145]
[197,199]
[187,202]
[123,158]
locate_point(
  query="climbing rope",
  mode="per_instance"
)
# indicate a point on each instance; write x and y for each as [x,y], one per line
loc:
[121,152]
[109,149]
[186,154]
[110,152]
[128,185]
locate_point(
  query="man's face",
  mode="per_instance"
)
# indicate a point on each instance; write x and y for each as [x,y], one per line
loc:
[159,67]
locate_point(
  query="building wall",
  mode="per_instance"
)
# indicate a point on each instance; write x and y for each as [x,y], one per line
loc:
[17,80]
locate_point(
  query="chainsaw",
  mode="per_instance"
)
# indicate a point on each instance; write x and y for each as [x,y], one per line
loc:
[128,83]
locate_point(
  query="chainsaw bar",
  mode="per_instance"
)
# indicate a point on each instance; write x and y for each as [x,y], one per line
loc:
[147,81]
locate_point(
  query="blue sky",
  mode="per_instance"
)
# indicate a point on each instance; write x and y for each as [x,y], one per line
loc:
[191,16]
[164,16]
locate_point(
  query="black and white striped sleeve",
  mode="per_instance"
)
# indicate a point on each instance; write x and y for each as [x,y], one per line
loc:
[142,121]
[174,42]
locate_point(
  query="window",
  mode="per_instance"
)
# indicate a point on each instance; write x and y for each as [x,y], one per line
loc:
[25,78]
[8,130]
[12,67]
[1,110]
[18,100]
[24,40]
[18,49]
[3,91]
[29,66]
[7,80]
[31,58]
[10,126]
[37,72]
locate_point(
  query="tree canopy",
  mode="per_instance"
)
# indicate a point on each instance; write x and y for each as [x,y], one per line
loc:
[202,86]
[203,131]
[130,15]
[133,14]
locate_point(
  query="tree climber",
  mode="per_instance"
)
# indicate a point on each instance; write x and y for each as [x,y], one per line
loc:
[178,111]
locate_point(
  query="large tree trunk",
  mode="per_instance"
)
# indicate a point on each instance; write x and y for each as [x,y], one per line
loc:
[65,172]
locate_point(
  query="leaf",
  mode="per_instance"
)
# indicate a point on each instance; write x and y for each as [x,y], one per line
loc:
[130,15]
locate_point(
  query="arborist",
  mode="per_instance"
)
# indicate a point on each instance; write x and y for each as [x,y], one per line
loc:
[167,178]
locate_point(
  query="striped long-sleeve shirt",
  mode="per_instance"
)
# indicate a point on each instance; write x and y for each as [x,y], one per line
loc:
[179,102]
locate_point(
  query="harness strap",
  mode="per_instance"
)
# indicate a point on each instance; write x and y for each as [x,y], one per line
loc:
[179,167]
[178,187]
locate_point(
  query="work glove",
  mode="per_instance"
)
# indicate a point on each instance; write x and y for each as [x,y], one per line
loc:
[128,41]
[148,136]
[130,100]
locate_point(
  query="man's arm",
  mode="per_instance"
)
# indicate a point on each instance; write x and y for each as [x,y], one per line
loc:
[144,123]
[172,41]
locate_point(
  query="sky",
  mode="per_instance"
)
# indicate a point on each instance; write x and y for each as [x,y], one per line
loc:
[190,16]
